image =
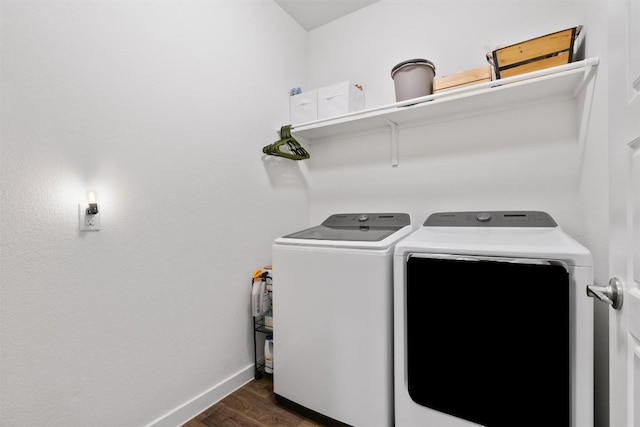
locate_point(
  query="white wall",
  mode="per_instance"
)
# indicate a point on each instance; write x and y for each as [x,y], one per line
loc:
[163,108]
[532,158]
[453,34]
[594,198]
[523,159]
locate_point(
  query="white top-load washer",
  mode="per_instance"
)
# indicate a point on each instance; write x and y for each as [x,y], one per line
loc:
[492,323]
[332,318]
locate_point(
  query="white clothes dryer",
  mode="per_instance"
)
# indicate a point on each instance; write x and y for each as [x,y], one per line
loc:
[332,318]
[492,324]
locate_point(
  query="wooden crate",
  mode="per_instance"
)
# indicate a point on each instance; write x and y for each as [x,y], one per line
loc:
[464,78]
[535,54]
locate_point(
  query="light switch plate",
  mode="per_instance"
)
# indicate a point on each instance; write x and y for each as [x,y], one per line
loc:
[88,222]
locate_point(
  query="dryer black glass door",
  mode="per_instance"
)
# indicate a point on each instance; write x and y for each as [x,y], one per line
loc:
[488,341]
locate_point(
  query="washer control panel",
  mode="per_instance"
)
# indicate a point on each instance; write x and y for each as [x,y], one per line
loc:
[355,227]
[490,219]
[373,220]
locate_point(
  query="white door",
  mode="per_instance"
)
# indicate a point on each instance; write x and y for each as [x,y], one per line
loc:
[624,187]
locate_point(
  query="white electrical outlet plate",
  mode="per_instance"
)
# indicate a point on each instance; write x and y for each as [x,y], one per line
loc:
[88,222]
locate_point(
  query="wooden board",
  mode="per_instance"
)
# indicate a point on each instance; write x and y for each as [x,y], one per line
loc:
[535,54]
[464,78]
[534,48]
[552,61]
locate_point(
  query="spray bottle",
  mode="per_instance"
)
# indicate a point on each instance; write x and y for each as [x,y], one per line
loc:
[257,290]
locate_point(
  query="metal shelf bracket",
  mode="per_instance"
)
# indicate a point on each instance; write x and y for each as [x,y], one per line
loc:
[394,142]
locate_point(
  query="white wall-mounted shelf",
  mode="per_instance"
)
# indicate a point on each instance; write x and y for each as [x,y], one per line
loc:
[549,85]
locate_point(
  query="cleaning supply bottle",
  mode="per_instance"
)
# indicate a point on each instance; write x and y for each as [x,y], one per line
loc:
[256,293]
[268,354]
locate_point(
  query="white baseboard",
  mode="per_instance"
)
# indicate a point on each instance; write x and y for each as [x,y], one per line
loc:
[198,404]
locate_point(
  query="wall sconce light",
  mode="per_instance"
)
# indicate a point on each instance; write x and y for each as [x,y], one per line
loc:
[92,209]
[89,214]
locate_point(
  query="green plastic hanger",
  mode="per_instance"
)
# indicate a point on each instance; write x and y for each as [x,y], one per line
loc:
[296,151]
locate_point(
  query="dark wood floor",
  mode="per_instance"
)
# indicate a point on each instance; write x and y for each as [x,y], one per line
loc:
[253,405]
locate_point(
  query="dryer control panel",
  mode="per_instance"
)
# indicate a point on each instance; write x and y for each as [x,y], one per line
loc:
[490,219]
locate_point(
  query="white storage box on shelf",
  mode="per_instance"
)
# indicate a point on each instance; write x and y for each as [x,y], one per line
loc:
[340,98]
[303,107]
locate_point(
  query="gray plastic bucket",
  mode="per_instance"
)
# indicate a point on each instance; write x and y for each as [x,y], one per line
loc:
[413,78]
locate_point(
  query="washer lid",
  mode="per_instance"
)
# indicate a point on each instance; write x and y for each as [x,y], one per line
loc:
[534,235]
[361,227]
[490,219]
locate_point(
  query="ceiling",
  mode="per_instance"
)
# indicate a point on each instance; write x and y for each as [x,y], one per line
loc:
[311,14]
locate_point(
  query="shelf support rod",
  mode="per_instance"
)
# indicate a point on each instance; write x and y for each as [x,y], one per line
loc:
[585,117]
[589,71]
[394,142]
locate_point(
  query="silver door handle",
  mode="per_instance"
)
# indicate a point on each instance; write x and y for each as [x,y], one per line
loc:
[611,294]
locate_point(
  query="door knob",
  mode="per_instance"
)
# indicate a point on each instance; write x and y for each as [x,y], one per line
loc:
[611,294]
